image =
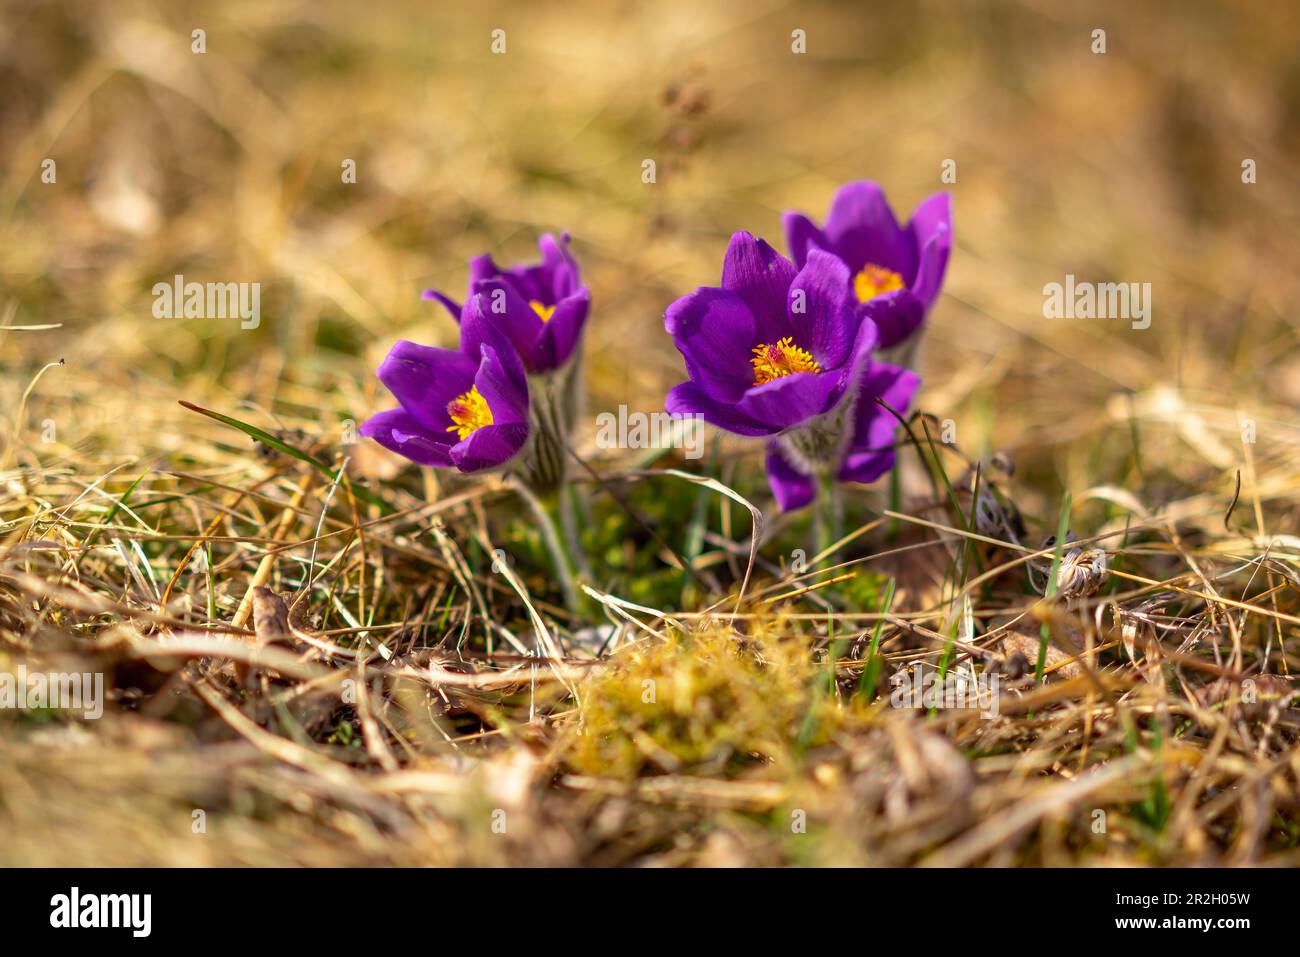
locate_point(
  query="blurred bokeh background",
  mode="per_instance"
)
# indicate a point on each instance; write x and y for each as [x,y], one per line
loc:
[226,166]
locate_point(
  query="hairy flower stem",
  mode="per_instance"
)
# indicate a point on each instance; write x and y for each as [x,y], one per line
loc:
[541,471]
[572,537]
[828,513]
[816,447]
[819,529]
[834,496]
[561,563]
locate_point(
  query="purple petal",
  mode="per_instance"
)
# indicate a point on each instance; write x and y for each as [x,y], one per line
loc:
[896,314]
[860,358]
[398,431]
[560,267]
[714,332]
[793,489]
[791,400]
[502,383]
[871,450]
[489,447]
[866,467]
[802,234]
[552,279]
[824,318]
[862,229]
[425,378]
[496,305]
[689,399]
[931,233]
[451,305]
[760,276]
[560,334]
[874,426]
[482,268]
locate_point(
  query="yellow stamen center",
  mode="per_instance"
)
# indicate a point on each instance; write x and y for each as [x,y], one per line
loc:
[876,281]
[543,312]
[783,358]
[470,412]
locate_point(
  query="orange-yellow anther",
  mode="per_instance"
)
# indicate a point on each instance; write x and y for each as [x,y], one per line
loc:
[776,359]
[469,411]
[875,281]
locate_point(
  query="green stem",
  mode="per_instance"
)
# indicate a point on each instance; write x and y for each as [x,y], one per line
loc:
[835,501]
[1045,633]
[572,535]
[541,472]
[829,509]
[819,519]
[560,560]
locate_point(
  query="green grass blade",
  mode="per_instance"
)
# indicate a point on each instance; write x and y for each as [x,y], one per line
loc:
[1062,526]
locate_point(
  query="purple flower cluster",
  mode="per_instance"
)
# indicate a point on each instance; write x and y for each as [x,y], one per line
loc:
[475,408]
[784,349]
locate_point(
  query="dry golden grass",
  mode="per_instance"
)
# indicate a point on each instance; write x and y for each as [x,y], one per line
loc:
[408,704]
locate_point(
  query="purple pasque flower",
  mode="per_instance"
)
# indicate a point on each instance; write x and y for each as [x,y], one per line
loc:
[459,408]
[540,309]
[865,436]
[896,270]
[774,347]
